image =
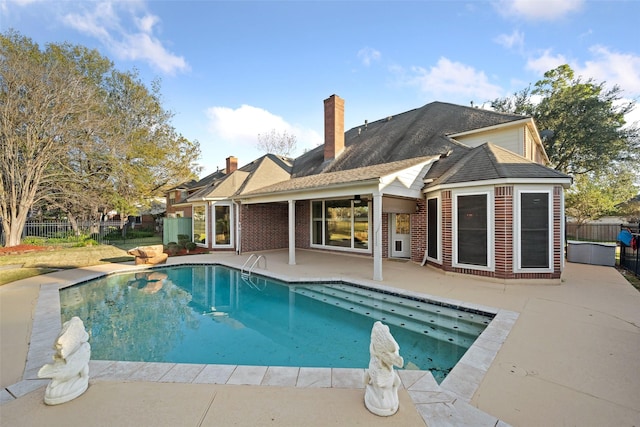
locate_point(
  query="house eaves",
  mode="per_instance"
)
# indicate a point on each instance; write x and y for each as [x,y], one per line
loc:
[359,178]
[514,123]
[527,121]
[565,182]
[489,164]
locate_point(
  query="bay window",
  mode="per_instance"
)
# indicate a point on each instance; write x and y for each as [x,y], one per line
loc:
[433,230]
[473,231]
[535,230]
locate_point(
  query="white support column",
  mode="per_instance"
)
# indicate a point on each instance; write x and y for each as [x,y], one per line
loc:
[377,237]
[292,232]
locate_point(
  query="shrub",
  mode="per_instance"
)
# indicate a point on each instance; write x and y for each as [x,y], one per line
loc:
[190,246]
[183,239]
[172,248]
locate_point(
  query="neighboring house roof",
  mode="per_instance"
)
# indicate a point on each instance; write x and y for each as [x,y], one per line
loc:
[194,185]
[420,132]
[490,162]
[263,171]
[156,206]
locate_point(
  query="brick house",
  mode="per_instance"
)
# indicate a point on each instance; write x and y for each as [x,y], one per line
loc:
[458,188]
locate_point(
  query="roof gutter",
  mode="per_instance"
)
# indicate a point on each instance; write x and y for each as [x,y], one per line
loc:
[274,196]
[565,182]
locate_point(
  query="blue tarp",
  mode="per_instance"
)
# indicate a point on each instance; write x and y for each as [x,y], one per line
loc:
[625,237]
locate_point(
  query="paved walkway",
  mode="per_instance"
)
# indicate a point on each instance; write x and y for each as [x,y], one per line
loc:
[571,358]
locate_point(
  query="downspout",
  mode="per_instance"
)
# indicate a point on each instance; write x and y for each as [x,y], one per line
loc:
[238,228]
[292,232]
[377,236]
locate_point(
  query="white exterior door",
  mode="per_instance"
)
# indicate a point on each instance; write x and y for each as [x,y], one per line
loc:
[400,235]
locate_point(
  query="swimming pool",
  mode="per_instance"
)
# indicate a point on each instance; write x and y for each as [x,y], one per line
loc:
[211,314]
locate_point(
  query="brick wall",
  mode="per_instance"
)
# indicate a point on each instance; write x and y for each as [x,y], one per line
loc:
[558,252]
[264,227]
[503,229]
[385,235]
[503,232]
[447,235]
[419,232]
[303,224]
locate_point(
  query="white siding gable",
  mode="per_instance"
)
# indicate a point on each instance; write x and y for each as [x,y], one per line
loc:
[511,139]
[406,182]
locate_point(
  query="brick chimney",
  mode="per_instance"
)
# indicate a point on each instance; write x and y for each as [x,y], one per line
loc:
[333,127]
[232,164]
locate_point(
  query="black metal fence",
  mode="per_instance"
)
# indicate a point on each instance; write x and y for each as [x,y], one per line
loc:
[630,254]
[64,232]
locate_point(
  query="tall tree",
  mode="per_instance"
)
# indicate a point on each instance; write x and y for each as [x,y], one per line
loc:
[146,155]
[43,102]
[79,135]
[595,195]
[274,142]
[582,121]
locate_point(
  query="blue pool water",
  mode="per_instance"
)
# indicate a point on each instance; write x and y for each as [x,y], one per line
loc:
[211,314]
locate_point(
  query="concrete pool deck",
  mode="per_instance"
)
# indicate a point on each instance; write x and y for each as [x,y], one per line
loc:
[571,358]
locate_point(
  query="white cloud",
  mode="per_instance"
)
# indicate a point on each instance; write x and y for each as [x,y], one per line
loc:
[146,23]
[605,65]
[104,22]
[240,127]
[94,24]
[515,40]
[368,55]
[633,117]
[545,62]
[538,9]
[622,69]
[448,78]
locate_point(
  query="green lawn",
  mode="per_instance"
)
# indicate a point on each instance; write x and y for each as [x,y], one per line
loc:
[22,266]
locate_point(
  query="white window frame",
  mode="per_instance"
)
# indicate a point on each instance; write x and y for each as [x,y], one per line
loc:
[489,192]
[206,224]
[231,224]
[339,248]
[438,199]
[517,230]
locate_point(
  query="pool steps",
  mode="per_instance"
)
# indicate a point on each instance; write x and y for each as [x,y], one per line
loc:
[438,322]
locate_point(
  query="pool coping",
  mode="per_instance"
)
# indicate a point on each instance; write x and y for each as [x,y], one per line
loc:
[448,402]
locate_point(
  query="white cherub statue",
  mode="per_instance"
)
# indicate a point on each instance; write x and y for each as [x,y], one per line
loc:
[381,381]
[70,368]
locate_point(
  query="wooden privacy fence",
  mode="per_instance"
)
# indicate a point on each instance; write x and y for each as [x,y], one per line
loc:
[595,232]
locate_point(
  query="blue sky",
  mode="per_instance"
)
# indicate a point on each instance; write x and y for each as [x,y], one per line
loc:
[232,70]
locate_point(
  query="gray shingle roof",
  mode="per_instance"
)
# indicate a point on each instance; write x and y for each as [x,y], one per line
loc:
[488,162]
[415,133]
[211,182]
